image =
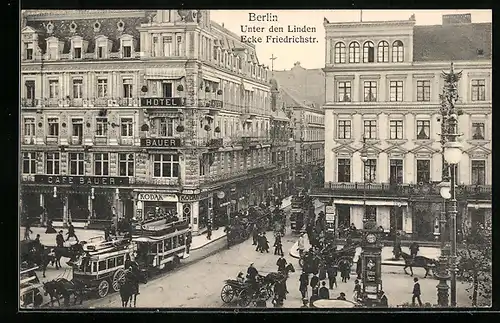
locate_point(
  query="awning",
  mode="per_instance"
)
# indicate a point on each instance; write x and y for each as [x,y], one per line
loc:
[211,78]
[370,202]
[248,86]
[165,73]
[479,205]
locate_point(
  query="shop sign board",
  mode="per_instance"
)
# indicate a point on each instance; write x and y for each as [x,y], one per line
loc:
[82,180]
[160,142]
[157,197]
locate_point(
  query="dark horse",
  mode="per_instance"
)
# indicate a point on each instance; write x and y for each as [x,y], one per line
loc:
[72,253]
[130,288]
[65,288]
[36,254]
[279,277]
[417,261]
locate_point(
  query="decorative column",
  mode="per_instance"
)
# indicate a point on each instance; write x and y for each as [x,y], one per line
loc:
[66,216]
[43,214]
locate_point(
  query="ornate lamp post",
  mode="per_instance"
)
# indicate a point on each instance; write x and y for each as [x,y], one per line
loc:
[442,273]
[452,154]
[364,158]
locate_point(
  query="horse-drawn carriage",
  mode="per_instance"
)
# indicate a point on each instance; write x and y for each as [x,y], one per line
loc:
[30,288]
[344,257]
[261,217]
[103,266]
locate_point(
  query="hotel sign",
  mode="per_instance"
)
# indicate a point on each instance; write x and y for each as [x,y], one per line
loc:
[160,142]
[162,102]
[81,180]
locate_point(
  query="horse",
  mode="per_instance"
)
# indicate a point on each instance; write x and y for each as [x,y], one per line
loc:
[130,289]
[417,261]
[71,252]
[65,288]
[279,277]
[35,254]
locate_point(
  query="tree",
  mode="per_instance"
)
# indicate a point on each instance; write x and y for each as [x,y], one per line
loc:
[475,263]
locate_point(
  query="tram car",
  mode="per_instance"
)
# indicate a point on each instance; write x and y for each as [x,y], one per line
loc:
[30,288]
[102,269]
[297,213]
[160,242]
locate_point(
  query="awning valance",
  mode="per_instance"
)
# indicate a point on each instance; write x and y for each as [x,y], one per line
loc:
[211,78]
[370,202]
[165,73]
[479,205]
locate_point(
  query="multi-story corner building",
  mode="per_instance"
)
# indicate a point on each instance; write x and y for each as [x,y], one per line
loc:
[303,93]
[383,82]
[138,112]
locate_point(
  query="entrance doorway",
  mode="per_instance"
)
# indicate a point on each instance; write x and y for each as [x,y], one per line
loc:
[54,207]
[344,219]
[78,207]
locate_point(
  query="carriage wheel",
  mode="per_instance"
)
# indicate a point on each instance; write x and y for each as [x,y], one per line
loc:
[103,288]
[244,298]
[301,263]
[227,294]
[118,279]
[268,290]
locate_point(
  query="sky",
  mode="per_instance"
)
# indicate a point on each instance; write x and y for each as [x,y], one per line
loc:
[312,55]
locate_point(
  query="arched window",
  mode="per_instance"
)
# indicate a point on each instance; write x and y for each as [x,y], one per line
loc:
[368,52]
[354,52]
[397,51]
[339,53]
[383,52]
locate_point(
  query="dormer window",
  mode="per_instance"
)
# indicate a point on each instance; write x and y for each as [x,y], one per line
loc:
[100,52]
[127,51]
[54,48]
[126,46]
[102,46]
[77,53]
[28,51]
[78,47]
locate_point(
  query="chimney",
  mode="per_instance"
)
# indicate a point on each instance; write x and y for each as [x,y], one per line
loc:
[457,19]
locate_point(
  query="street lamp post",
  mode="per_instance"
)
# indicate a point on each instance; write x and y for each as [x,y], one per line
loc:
[364,158]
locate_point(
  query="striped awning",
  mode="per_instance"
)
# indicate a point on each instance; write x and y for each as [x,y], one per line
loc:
[370,202]
[211,78]
[165,73]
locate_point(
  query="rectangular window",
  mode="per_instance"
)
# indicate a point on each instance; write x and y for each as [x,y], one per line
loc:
[166,165]
[178,50]
[167,90]
[344,170]
[28,49]
[29,127]
[102,87]
[77,128]
[76,166]
[77,88]
[53,126]
[478,130]
[52,162]
[423,90]
[396,91]
[370,214]
[101,164]
[53,51]
[53,89]
[423,129]
[167,46]
[370,91]
[370,171]
[127,51]
[127,127]
[126,164]
[478,90]
[77,52]
[370,129]
[396,171]
[165,127]
[423,171]
[344,129]
[100,52]
[396,129]
[344,91]
[127,88]
[29,163]
[30,89]
[101,126]
[478,170]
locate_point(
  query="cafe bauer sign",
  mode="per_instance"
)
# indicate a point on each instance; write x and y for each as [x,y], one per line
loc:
[81,180]
[160,142]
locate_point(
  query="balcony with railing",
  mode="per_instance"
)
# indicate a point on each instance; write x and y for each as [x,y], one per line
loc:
[30,103]
[211,104]
[215,143]
[400,190]
[52,140]
[128,102]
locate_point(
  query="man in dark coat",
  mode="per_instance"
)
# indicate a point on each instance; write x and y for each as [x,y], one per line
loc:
[323,292]
[209,229]
[414,248]
[416,292]
[265,243]
[304,282]
[189,240]
[255,234]
[278,246]
[341,297]
[252,275]
[60,239]
[314,282]
[281,263]
[259,243]
[332,275]
[71,232]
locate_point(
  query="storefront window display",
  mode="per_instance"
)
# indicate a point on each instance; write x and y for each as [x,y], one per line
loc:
[78,207]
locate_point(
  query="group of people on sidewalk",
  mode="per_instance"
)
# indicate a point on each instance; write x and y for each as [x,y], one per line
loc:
[50,230]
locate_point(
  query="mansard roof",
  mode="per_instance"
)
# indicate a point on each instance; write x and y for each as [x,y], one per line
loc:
[85,29]
[456,42]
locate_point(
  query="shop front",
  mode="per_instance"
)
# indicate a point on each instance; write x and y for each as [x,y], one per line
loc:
[150,204]
[222,207]
[31,207]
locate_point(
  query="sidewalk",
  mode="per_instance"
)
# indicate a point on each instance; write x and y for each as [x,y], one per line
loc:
[387,256]
[201,240]
[49,239]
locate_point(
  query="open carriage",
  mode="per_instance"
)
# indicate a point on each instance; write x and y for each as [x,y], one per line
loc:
[160,242]
[102,268]
[30,288]
[243,291]
[261,217]
[343,257]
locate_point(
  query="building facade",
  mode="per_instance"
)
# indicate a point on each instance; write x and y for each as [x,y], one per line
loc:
[383,83]
[138,112]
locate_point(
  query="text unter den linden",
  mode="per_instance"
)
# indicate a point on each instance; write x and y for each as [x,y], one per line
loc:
[296,34]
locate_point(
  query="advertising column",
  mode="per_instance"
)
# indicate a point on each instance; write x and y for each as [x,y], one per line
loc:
[330,220]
